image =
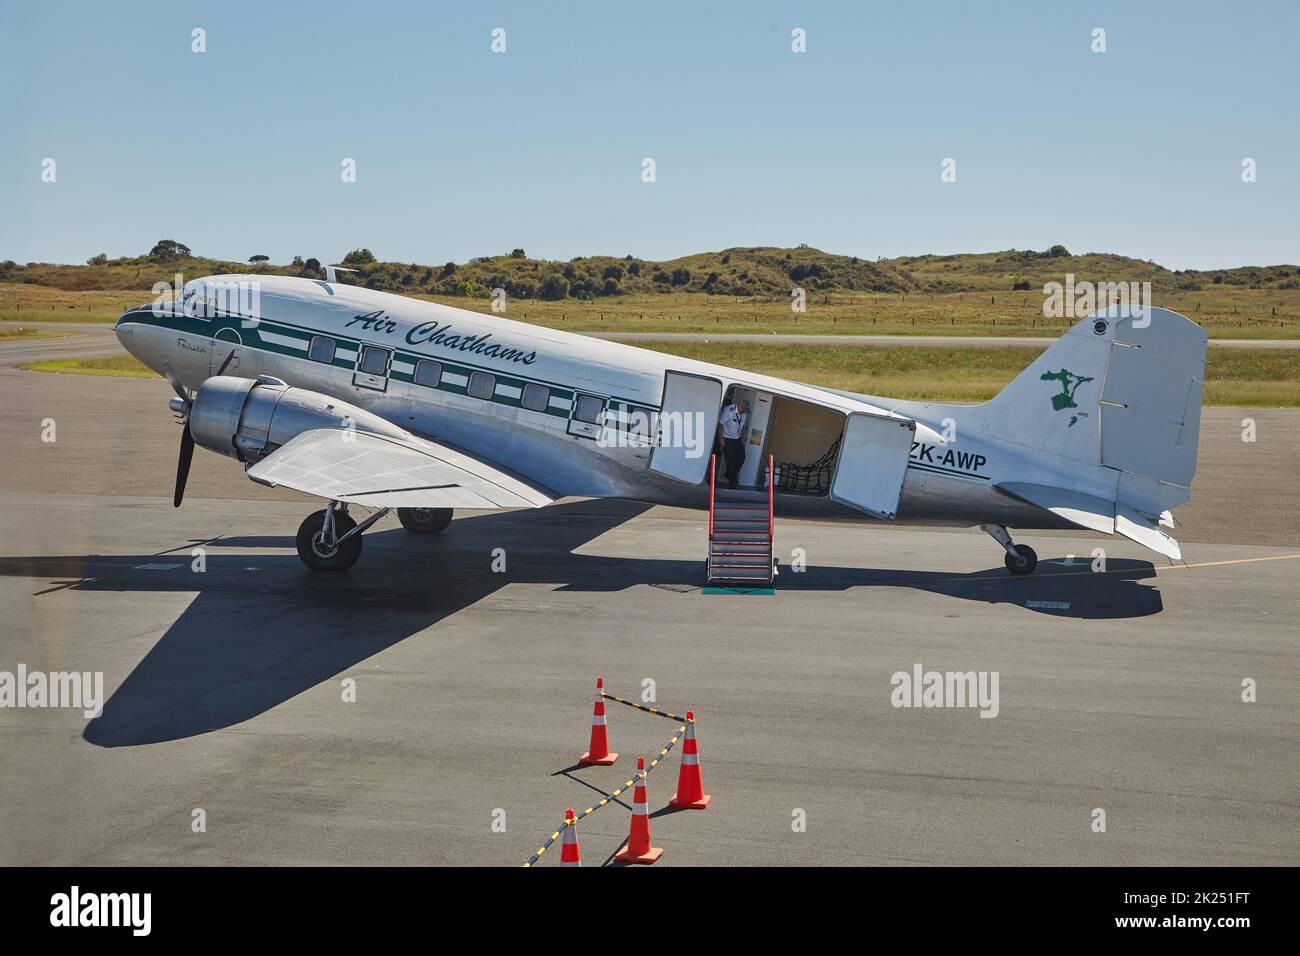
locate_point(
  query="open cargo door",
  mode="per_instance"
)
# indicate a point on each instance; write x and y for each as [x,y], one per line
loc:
[687,422]
[872,463]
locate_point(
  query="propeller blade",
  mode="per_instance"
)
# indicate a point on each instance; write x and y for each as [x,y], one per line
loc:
[183,464]
[226,363]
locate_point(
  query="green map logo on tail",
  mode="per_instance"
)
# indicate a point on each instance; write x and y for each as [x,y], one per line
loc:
[1069,384]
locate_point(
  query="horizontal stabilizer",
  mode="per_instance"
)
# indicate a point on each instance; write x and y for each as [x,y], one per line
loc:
[1087,511]
[380,471]
[1097,514]
[1146,533]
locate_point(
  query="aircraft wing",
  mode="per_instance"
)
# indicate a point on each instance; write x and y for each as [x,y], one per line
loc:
[1098,514]
[375,470]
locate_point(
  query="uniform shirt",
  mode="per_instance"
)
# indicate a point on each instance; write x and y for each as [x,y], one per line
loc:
[733,421]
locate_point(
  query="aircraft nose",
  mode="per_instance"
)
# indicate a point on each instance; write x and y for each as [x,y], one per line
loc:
[126,325]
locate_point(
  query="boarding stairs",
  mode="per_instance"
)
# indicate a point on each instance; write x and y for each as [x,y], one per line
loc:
[740,533]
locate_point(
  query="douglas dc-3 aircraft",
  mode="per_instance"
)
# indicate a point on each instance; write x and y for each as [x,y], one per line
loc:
[376,400]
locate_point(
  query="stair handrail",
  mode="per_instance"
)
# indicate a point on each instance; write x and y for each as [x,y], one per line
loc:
[771,523]
[713,490]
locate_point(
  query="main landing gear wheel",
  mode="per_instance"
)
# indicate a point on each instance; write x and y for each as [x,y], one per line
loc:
[424,520]
[322,552]
[1026,563]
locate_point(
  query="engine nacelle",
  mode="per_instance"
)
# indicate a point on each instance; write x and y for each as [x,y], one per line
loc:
[250,418]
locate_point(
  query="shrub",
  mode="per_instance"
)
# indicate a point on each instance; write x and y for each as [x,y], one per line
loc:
[169,250]
[553,287]
[359,257]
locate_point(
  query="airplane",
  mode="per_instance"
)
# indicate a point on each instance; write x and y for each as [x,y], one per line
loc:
[381,401]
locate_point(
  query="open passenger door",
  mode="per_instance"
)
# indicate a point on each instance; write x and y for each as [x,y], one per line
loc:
[872,463]
[687,422]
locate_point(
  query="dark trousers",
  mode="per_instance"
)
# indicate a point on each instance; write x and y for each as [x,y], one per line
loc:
[733,453]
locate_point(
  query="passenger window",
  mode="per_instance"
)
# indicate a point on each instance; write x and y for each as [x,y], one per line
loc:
[374,360]
[536,397]
[481,385]
[589,409]
[321,349]
[428,373]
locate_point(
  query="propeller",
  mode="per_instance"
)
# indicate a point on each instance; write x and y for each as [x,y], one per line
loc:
[183,465]
[181,406]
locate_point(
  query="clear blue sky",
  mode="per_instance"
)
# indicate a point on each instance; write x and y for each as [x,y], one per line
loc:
[462,152]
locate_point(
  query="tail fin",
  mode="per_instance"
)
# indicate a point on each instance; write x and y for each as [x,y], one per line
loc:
[1121,389]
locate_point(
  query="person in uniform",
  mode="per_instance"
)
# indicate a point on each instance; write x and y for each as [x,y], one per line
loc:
[731,430]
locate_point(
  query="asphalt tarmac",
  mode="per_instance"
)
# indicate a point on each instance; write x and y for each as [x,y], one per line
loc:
[229,691]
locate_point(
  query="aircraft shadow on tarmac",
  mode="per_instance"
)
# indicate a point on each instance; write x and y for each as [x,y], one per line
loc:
[261,629]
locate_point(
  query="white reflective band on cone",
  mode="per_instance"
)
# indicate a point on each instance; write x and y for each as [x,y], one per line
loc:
[570,839]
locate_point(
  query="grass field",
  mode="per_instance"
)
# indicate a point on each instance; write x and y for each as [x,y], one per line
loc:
[121,366]
[1231,313]
[8,335]
[1233,376]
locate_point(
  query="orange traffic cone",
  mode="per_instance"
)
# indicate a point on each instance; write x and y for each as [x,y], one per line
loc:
[690,793]
[638,849]
[599,753]
[570,852]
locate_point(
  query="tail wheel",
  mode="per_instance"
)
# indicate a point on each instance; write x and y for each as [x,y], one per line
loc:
[1026,562]
[320,555]
[424,520]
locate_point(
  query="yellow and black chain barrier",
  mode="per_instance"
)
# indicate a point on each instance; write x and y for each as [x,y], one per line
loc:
[613,795]
[648,710]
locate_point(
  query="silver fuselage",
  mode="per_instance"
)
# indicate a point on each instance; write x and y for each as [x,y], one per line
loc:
[947,481]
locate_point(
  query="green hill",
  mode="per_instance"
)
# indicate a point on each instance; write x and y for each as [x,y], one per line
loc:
[742,271]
